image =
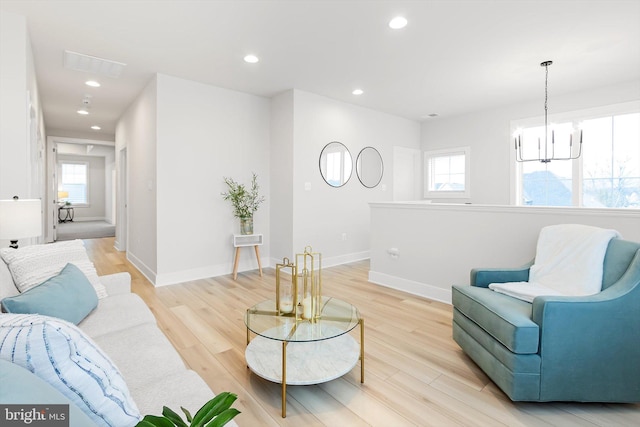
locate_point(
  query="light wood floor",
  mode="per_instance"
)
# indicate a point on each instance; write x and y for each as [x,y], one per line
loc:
[415,373]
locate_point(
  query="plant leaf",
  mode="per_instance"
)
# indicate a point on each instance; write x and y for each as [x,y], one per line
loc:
[187,414]
[145,423]
[220,407]
[156,421]
[223,417]
[173,417]
[200,417]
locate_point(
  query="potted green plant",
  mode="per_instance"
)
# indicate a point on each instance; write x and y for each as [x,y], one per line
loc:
[215,413]
[244,201]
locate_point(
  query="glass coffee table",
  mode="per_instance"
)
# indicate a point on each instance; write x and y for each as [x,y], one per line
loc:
[296,351]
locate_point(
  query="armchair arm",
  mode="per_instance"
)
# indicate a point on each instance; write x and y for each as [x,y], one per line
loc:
[621,294]
[482,277]
[588,340]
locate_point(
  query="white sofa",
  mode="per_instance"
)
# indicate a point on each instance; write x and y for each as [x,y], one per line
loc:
[125,329]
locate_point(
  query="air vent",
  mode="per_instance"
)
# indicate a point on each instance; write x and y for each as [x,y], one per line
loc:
[92,64]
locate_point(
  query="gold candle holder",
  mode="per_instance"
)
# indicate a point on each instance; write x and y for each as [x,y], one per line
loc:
[309,283]
[286,292]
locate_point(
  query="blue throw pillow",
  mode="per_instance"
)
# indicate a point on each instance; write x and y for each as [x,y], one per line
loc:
[59,353]
[28,389]
[68,296]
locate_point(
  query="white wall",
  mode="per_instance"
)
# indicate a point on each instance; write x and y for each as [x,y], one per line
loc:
[21,120]
[110,188]
[281,177]
[323,214]
[14,159]
[95,209]
[205,133]
[488,133]
[136,132]
[437,245]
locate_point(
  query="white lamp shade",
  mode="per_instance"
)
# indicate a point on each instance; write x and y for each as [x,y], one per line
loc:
[20,218]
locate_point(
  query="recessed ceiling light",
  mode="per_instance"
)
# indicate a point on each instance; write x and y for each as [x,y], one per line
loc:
[92,83]
[398,22]
[95,127]
[83,111]
[357,92]
[430,116]
[251,59]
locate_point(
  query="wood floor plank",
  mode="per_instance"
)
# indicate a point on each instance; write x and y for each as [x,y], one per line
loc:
[415,373]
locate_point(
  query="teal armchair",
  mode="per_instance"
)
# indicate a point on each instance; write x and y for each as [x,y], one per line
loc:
[584,349]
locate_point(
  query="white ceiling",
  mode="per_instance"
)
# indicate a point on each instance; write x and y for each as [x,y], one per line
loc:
[453,57]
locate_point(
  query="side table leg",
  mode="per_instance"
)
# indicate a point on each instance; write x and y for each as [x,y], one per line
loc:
[248,326]
[235,263]
[361,350]
[284,379]
[258,258]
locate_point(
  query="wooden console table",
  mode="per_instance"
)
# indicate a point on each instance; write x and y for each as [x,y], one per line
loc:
[244,240]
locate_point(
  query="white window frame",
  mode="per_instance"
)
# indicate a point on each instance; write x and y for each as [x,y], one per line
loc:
[577,168]
[448,194]
[77,162]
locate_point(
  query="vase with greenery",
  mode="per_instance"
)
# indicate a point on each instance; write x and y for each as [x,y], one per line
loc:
[215,413]
[245,201]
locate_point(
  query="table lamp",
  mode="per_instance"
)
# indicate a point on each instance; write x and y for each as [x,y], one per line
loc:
[19,219]
[63,196]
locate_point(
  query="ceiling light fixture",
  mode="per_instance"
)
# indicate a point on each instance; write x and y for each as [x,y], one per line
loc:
[251,59]
[92,83]
[86,105]
[95,127]
[357,92]
[398,22]
[546,158]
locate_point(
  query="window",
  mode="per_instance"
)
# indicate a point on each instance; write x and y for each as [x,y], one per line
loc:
[74,180]
[611,175]
[447,173]
[606,175]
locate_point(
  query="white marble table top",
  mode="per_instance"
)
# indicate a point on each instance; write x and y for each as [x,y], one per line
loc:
[308,363]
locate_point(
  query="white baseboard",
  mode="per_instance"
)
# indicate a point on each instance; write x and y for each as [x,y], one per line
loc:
[410,286]
[89,218]
[203,273]
[224,269]
[331,261]
[142,267]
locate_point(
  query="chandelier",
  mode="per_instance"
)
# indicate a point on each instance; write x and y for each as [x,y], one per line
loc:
[549,152]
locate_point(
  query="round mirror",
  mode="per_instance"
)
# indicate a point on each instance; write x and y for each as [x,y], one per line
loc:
[369,167]
[335,164]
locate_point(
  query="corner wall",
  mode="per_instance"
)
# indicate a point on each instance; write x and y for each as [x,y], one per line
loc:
[136,134]
[205,133]
[322,215]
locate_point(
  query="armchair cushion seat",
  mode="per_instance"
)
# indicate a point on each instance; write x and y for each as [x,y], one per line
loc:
[506,319]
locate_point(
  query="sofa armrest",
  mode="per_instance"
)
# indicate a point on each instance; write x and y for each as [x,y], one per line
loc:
[482,277]
[118,283]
